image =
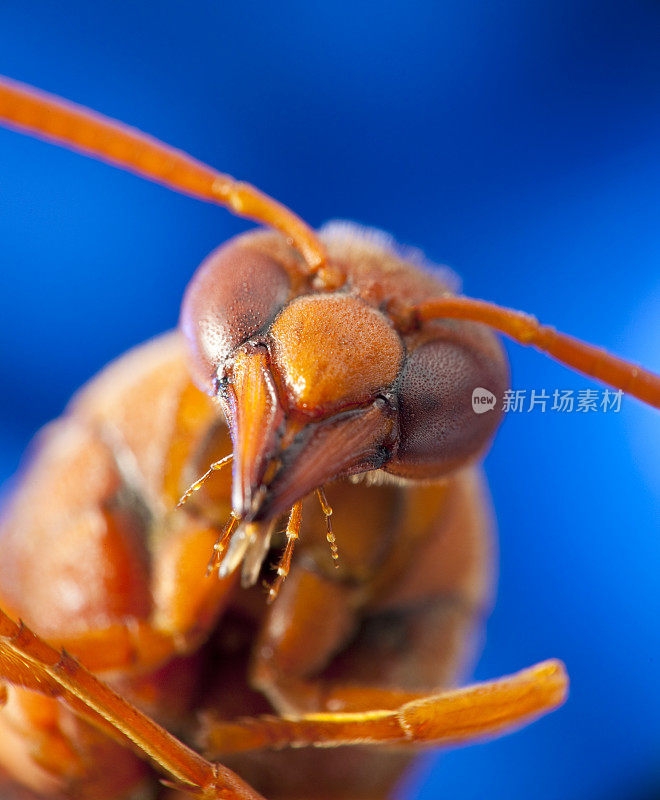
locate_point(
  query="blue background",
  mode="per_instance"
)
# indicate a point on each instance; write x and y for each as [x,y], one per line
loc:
[517,142]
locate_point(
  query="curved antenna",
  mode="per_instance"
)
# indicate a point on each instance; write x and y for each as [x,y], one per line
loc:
[48,117]
[525,329]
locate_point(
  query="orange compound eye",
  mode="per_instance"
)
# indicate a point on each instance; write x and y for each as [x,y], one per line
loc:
[333,352]
[235,292]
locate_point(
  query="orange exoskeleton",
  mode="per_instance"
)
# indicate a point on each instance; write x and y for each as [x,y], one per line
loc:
[334,371]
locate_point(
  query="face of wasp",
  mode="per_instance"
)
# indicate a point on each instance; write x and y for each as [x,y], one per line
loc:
[317,384]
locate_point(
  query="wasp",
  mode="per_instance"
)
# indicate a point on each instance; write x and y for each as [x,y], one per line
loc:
[309,428]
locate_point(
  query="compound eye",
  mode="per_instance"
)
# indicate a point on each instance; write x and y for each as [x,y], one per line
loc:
[235,292]
[439,429]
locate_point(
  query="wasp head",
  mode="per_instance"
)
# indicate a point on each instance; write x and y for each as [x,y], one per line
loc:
[317,384]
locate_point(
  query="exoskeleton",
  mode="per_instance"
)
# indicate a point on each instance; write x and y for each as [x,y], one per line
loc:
[335,373]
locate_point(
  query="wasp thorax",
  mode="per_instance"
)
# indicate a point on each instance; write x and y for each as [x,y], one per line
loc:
[333,352]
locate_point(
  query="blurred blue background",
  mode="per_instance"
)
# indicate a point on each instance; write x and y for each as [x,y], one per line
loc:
[517,142]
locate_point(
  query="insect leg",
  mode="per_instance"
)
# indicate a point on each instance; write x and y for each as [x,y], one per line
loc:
[451,718]
[308,624]
[29,662]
